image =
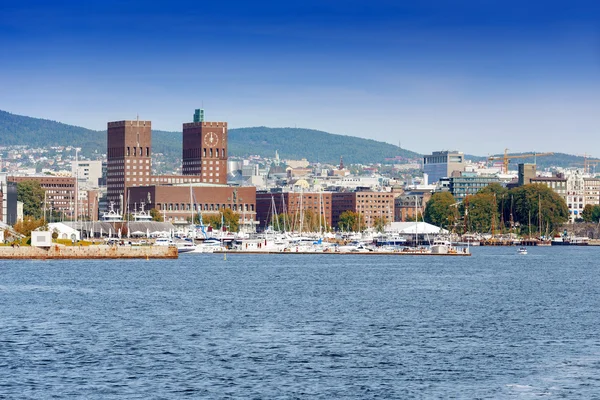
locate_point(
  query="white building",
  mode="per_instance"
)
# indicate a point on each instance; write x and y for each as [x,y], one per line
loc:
[87,172]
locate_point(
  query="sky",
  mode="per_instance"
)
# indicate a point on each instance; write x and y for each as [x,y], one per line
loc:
[474,76]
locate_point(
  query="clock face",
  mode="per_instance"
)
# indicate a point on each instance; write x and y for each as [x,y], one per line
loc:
[211,139]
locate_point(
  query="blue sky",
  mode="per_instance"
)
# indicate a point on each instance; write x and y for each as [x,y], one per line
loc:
[476,76]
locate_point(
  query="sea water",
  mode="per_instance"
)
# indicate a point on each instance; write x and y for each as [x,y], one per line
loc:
[494,325]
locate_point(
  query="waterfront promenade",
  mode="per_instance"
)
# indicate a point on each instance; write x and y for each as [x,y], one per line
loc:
[57,251]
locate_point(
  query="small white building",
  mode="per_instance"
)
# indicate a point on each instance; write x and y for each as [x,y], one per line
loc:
[64,231]
[410,228]
[41,238]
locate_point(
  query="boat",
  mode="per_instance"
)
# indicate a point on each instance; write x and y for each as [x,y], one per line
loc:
[111,215]
[441,246]
[184,246]
[522,250]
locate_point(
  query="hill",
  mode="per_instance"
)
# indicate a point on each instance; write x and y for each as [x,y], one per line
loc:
[293,143]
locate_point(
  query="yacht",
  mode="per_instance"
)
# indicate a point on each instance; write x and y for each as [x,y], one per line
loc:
[111,215]
[441,246]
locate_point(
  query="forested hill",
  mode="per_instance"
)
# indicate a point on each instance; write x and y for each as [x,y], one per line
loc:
[292,143]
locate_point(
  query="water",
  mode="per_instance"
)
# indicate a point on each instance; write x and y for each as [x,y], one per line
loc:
[495,325]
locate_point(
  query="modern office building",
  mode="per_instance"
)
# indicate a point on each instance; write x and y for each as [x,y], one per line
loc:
[8,200]
[526,173]
[469,183]
[441,164]
[88,172]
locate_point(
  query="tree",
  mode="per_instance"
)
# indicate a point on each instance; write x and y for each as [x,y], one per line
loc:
[586,214]
[539,204]
[31,194]
[411,218]
[227,217]
[379,223]
[349,221]
[591,213]
[232,219]
[483,212]
[156,216]
[28,224]
[503,199]
[439,210]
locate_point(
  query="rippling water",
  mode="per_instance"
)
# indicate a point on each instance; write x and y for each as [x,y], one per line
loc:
[495,325]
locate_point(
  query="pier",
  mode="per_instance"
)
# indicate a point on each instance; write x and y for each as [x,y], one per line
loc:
[57,252]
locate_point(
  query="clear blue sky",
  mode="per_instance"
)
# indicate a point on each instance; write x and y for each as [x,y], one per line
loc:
[476,76]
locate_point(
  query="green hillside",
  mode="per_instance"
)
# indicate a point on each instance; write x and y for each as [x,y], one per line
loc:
[292,143]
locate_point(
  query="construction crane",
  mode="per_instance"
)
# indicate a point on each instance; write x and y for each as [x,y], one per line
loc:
[588,163]
[506,158]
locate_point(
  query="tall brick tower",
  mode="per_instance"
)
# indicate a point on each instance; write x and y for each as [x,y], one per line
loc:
[129,150]
[205,149]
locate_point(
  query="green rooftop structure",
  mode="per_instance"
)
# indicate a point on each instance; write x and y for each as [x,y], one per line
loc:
[199,115]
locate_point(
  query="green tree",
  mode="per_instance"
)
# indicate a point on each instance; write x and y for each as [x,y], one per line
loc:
[227,217]
[539,204]
[483,212]
[411,218]
[439,209]
[379,223]
[232,219]
[503,200]
[591,213]
[349,221]
[586,214]
[156,215]
[31,194]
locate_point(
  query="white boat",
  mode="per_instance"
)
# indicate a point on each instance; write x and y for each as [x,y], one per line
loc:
[111,215]
[209,245]
[441,246]
[184,246]
[164,241]
[522,250]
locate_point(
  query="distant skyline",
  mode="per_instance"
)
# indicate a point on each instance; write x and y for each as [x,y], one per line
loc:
[475,76]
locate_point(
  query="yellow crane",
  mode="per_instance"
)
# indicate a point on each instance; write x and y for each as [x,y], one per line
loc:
[506,158]
[587,163]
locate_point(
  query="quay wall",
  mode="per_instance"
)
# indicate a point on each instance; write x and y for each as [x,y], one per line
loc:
[57,251]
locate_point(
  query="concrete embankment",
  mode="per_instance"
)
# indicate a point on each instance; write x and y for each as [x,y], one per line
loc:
[57,251]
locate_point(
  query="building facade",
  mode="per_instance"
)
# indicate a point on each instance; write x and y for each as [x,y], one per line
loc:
[205,150]
[88,172]
[325,207]
[129,151]
[178,204]
[469,183]
[60,192]
[591,193]
[441,164]
[409,205]
[8,200]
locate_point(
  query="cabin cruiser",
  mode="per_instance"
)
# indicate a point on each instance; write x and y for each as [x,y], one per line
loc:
[441,246]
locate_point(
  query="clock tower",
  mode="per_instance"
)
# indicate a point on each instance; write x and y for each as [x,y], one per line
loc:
[205,149]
